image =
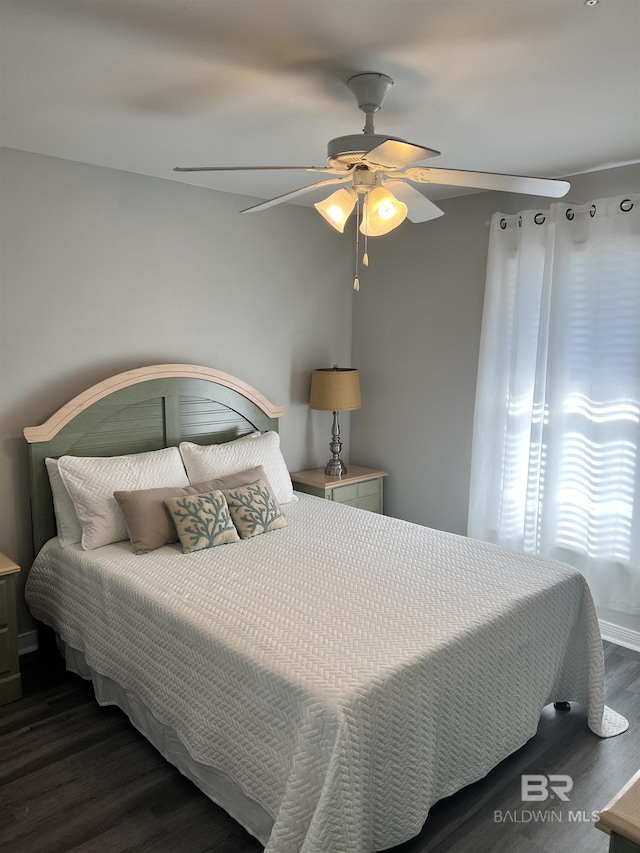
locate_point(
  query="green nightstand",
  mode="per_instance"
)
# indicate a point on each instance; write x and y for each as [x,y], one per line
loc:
[10,681]
[360,487]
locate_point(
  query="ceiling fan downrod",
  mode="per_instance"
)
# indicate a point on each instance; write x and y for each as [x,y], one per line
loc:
[370,90]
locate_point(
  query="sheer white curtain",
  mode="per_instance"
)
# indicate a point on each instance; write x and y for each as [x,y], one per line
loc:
[556,444]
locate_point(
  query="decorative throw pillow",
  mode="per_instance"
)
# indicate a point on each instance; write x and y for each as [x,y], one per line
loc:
[230,481]
[253,509]
[219,460]
[202,521]
[148,521]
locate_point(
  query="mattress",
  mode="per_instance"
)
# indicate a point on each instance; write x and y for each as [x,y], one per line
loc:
[342,673]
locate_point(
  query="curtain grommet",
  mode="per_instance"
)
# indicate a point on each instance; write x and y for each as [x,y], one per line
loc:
[503,224]
[569,214]
[592,211]
[626,205]
[539,218]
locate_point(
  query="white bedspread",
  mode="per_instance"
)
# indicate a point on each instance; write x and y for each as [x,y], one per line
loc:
[346,671]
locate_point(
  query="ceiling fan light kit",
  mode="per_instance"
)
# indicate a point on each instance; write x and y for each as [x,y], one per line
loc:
[382,212]
[369,161]
[338,207]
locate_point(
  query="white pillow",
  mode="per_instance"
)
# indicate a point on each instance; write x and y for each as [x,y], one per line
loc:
[92,480]
[67,522]
[220,460]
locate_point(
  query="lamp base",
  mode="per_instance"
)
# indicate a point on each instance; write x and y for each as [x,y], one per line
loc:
[335,468]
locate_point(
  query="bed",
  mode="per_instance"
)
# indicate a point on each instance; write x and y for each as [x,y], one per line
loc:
[329,681]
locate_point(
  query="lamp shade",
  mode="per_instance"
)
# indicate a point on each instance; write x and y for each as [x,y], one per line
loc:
[382,212]
[335,389]
[337,208]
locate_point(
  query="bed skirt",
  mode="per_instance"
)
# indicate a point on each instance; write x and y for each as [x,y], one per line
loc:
[215,784]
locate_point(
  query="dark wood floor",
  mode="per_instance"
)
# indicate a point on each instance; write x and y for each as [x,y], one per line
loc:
[76,777]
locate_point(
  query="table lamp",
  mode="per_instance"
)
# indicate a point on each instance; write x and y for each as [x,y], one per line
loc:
[335,389]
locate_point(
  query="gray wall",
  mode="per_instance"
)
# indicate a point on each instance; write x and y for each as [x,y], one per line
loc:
[102,271]
[416,339]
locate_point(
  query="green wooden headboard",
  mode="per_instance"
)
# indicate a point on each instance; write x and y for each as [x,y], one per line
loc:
[144,409]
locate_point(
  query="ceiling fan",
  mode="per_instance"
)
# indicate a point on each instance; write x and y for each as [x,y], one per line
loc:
[381,169]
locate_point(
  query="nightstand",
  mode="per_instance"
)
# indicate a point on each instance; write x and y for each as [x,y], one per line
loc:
[621,818]
[361,487]
[10,681]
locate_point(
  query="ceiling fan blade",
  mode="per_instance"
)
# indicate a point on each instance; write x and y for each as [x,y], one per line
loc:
[280,198]
[488,181]
[419,208]
[328,169]
[395,154]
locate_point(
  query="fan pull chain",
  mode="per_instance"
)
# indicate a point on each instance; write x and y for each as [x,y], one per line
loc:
[365,257]
[356,280]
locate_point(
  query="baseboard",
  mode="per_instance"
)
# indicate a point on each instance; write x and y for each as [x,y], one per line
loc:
[620,636]
[27,642]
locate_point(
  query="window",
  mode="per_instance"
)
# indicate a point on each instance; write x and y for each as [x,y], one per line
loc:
[556,448]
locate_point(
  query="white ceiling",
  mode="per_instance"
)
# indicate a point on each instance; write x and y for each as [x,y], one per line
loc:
[538,87]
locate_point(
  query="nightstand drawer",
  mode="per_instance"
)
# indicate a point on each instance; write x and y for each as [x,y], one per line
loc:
[371,502]
[365,495]
[342,494]
[369,487]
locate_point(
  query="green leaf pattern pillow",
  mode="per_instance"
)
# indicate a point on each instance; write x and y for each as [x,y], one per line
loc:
[202,521]
[253,509]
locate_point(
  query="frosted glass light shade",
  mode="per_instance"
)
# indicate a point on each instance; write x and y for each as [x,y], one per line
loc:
[337,208]
[382,212]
